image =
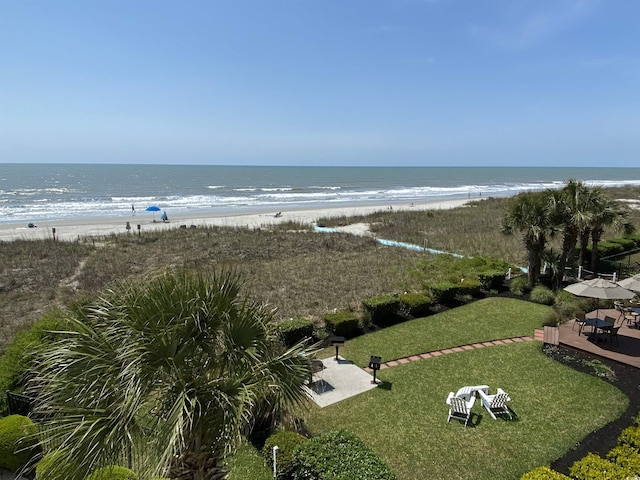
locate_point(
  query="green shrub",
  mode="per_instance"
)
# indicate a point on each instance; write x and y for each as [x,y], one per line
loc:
[337,455]
[626,243]
[519,286]
[112,473]
[544,473]
[52,459]
[381,310]
[635,237]
[630,436]
[286,441]
[18,442]
[344,323]
[295,330]
[18,356]
[543,295]
[469,286]
[443,292]
[416,304]
[608,249]
[627,457]
[492,279]
[593,467]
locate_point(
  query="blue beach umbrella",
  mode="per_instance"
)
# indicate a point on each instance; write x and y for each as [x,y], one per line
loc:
[153,208]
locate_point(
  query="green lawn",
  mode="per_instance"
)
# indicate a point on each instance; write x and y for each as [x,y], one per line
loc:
[488,319]
[405,420]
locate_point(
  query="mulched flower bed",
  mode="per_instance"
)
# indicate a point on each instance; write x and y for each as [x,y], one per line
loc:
[625,377]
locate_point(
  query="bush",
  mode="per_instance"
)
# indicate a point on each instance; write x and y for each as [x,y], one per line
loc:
[608,249]
[18,356]
[443,292]
[627,457]
[626,243]
[295,330]
[543,295]
[492,279]
[382,310]
[286,441]
[519,286]
[469,286]
[415,304]
[338,455]
[630,436]
[635,237]
[18,442]
[544,473]
[344,323]
[568,305]
[592,467]
[112,473]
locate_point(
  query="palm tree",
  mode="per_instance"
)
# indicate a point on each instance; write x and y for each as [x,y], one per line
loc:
[531,214]
[164,375]
[605,213]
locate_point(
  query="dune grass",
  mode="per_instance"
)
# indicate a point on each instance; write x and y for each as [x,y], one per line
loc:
[487,319]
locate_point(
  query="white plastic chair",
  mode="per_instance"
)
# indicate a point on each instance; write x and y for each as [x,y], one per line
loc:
[460,408]
[496,404]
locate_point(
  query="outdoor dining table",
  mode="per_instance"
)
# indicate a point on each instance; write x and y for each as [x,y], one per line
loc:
[596,325]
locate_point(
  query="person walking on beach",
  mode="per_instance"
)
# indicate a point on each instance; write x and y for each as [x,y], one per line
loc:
[133,210]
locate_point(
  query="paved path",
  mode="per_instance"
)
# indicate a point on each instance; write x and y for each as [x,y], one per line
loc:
[437,353]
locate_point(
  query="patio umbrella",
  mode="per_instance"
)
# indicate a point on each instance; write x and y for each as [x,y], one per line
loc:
[631,283]
[599,288]
[153,208]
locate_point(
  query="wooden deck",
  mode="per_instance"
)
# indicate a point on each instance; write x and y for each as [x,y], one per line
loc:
[627,351]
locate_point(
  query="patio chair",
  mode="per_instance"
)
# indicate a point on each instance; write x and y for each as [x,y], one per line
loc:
[316,367]
[613,333]
[496,404]
[460,408]
[580,321]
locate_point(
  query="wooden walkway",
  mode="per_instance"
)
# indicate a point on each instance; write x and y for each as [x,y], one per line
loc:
[627,351]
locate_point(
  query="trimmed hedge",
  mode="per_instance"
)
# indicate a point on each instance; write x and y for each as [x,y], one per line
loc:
[630,436]
[443,292]
[112,473]
[286,441]
[469,286]
[626,457]
[381,310]
[608,249]
[593,467]
[18,442]
[519,286]
[544,473]
[344,323]
[626,243]
[295,330]
[492,279]
[338,455]
[416,304]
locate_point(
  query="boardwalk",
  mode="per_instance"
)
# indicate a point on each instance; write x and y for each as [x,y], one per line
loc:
[627,351]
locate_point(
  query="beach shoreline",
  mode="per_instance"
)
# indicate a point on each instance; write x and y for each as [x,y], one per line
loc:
[73,229]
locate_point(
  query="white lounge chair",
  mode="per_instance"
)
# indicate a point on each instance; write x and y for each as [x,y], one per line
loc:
[460,408]
[496,404]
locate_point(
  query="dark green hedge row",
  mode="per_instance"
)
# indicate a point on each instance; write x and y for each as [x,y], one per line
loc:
[295,330]
[287,442]
[381,310]
[337,455]
[344,323]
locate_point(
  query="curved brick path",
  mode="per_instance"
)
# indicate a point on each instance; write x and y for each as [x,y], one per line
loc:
[538,335]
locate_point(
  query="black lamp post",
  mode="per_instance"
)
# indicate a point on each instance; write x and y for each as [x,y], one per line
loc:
[374,364]
[336,342]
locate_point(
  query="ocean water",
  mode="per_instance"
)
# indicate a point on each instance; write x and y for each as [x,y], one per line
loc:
[38,192]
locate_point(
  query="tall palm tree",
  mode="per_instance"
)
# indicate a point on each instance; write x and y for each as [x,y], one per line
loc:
[531,214]
[164,375]
[605,213]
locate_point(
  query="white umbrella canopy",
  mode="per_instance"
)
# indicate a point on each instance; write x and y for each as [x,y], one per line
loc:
[600,288]
[631,283]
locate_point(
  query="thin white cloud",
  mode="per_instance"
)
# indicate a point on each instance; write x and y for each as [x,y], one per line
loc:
[527,23]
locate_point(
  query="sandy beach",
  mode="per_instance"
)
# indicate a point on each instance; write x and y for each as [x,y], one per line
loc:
[78,228]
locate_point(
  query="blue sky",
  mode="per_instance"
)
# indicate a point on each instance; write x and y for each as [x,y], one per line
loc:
[324,82]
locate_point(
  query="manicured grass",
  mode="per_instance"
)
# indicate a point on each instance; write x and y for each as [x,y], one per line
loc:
[405,420]
[487,319]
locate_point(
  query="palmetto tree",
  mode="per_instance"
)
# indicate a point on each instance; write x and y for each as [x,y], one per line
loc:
[163,375]
[604,213]
[532,215]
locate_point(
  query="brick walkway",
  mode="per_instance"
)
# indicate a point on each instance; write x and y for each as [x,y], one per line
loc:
[538,335]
